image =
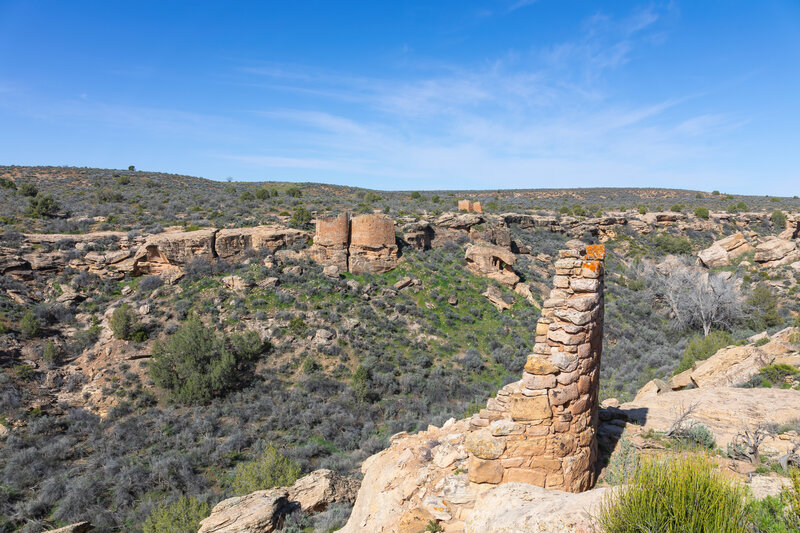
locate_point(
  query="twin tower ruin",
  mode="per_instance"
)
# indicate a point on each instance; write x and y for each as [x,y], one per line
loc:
[365,243]
[542,430]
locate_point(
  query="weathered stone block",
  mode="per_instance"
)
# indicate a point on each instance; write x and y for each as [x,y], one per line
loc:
[534,381]
[539,365]
[584,285]
[562,395]
[525,475]
[484,445]
[529,407]
[485,471]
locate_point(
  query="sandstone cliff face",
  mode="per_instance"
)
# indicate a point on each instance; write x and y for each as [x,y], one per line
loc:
[493,262]
[170,252]
[723,251]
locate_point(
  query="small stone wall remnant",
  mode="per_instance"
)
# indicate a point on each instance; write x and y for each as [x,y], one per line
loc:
[542,430]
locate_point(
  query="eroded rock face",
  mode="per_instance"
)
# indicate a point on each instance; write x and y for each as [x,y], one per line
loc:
[263,511]
[723,251]
[258,512]
[170,251]
[776,252]
[232,243]
[491,261]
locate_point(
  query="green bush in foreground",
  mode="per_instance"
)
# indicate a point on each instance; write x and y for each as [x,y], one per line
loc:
[681,495]
[195,364]
[181,516]
[700,348]
[270,470]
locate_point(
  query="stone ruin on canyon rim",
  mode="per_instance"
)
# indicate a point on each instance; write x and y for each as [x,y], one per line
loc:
[364,243]
[542,430]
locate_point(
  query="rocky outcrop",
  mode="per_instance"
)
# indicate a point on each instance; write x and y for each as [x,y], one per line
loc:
[776,252]
[172,251]
[723,251]
[232,243]
[263,511]
[418,234]
[493,262]
[363,244]
[731,366]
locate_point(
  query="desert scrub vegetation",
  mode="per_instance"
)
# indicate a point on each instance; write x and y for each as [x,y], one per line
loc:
[195,364]
[181,516]
[270,469]
[686,494]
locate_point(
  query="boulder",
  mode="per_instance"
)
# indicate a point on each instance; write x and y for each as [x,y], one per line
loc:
[493,262]
[776,252]
[495,297]
[730,366]
[258,512]
[321,488]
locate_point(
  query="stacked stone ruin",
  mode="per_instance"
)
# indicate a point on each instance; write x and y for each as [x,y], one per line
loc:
[470,207]
[365,243]
[542,430]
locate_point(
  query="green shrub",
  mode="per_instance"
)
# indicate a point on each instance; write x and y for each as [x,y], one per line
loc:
[294,192]
[680,495]
[300,216]
[51,354]
[126,325]
[778,219]
[642,210]
[702,436]
[29,326]
[263,193]
[791,497]
[763,308]
[297,325]
[700,348]
[270,470]
[43,206]
[715,193]
[622,463]
[246,196]
[416,195]
[677,208]
[28,189]
[672,244]
[181,516]
[701,212]
[774,374]
[123,180]
[435,198]
[565,210]
[195,364]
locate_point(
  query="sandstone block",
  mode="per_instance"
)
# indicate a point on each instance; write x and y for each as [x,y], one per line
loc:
[584,285]
[525,475]
[539,365]
[566,362]
[485,471]
[529,408]
[534,381]
[561,336]
[484,445]
[562,395]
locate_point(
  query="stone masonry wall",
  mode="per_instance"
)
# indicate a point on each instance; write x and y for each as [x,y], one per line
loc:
[365,243]
[542,430]
[373,245]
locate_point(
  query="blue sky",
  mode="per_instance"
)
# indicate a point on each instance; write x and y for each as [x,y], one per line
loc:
[410,95]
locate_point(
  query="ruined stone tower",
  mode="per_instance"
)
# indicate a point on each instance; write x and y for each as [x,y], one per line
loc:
[365,243]
[542,430]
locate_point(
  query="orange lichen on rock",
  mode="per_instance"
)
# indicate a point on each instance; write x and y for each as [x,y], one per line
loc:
[596,251]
